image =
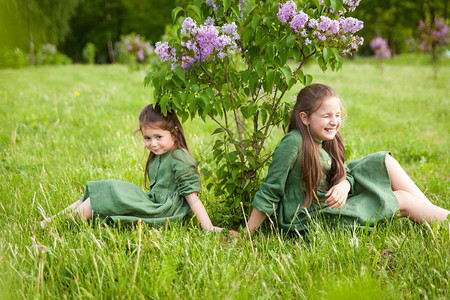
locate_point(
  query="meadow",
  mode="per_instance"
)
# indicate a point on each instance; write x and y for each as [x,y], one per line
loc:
[61,126]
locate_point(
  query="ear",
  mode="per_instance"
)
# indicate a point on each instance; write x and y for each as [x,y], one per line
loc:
[304,118]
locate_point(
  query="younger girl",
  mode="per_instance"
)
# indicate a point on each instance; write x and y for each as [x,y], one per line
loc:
[172,174]
[308,178]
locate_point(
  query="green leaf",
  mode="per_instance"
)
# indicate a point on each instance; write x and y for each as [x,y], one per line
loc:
[301,76]
[270,51]
[236,11]
[248,9]
[218,130]
[162,77]
[268,84]
[260,68]
[163,103]
[148,79]
[177,102]
[337,5]
[290,41]
[155,81]
[316,2]
[255,21]
[195,9]
[175,13]
[226,4]
[308,80]
[326,54]
[287,73]
[180,73]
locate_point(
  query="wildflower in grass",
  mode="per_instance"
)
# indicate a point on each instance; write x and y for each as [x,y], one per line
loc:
[77,93]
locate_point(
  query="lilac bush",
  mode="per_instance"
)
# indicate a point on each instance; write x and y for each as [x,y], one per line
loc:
[133,49]
[233,61]
[432,37]
[380,47]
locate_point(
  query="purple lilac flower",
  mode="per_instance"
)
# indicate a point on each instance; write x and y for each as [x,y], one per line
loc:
[351,4]
[205,40]
[188,26]
[299,21]
[221,55]
[286,11]
[140,54]
[350,25]
[307,41]
[312,23]
[222,41]
[213,5]
[231,29]
[164,51]
[210,21]
[187,61]
[319,35]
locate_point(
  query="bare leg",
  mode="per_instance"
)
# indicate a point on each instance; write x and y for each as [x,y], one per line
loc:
[83,209]
[412,202]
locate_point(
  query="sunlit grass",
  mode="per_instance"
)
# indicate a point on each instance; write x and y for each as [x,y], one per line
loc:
[62,126]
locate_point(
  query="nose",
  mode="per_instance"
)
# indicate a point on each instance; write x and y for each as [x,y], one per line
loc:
[334,120]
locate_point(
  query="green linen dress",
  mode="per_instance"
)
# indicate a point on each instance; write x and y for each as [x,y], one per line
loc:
[172,175]
[370,199]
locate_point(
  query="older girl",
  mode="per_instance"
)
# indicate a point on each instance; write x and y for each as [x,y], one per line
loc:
[308,178]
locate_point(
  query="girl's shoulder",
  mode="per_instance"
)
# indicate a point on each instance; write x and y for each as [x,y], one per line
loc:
[182,155]
[293,136]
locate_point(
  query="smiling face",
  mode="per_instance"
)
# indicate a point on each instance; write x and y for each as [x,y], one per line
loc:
[157,140]
[325,122]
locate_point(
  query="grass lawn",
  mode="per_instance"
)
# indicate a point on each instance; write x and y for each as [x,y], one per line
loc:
[64,125]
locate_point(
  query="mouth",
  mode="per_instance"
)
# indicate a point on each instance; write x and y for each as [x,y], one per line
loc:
[330,130]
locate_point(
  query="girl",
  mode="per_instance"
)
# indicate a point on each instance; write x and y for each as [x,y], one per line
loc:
[171,171]
[308,178]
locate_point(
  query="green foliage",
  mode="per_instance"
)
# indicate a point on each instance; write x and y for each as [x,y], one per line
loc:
[12,58]
[103,22]
[49,55]
[89,53]
[395,20]
[243,89]
[28,24]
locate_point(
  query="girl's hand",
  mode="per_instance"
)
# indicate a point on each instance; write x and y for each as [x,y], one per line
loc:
[338,194]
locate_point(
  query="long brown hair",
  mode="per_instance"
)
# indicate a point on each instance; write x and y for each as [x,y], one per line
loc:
[309,100]
[151,116]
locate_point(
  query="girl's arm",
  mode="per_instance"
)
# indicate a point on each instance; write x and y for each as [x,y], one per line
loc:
[200,212]
[256,219]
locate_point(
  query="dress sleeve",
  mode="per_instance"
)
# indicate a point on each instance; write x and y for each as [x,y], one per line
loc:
[185,172]
[272,189]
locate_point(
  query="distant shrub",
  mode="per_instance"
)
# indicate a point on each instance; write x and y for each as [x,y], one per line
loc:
[88,53]
[380,47]
[432,37]
[133,49]
[49,55]
[13,58]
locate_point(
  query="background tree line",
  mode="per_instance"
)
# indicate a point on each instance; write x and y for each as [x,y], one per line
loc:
[71,24]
